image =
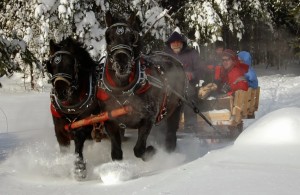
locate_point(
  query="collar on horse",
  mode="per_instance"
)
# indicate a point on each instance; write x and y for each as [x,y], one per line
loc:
[138,82]
[138,86]
[59,108]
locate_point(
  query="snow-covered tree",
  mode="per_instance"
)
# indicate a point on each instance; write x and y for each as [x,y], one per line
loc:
[255,25]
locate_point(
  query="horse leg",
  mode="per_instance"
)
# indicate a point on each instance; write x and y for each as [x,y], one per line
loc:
[80,136]
[62,136]
[172,126]
[114,132]
[140,150]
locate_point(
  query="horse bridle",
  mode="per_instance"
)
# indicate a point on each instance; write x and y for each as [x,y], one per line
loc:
[69,79]
[122,48]
[60,106]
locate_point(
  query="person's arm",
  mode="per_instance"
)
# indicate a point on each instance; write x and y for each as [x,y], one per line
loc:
[240,85]
[236,81]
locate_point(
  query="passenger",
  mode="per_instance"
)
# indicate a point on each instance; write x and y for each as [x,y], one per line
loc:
[219,48]
[232,77]
[251,76]
[232,73]
[215,63]
[177,46]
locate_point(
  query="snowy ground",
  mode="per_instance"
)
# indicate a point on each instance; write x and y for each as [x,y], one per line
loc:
[265,158]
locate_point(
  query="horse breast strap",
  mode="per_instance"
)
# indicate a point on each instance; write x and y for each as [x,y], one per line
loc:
[136,86]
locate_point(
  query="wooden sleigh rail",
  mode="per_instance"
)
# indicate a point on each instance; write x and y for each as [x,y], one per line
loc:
[229,111]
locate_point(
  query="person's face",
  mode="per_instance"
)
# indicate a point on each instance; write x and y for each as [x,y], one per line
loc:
[227,62]
[176,46]
[219,51]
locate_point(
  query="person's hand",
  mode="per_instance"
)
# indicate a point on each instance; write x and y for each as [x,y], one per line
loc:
[225,88]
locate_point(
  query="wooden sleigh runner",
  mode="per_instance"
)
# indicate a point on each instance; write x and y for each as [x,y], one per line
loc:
[227,113]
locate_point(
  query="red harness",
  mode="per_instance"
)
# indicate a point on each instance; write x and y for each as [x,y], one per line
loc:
[103,95]
[54,112]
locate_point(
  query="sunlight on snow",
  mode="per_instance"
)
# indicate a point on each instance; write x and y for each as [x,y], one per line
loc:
[277,128]
[117,171]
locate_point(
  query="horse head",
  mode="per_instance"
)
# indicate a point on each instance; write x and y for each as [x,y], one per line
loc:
[122,44]
[63,67]
[71,69]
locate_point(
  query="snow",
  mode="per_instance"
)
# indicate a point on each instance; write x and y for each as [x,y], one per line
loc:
[264,159]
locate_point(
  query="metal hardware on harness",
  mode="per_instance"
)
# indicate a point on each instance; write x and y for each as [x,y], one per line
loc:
[98,132]
[120,46]
[122,125]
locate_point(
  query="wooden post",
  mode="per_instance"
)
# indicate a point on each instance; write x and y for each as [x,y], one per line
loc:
[257,98]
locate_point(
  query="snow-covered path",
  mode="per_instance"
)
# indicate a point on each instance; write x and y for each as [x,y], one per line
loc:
[265,158]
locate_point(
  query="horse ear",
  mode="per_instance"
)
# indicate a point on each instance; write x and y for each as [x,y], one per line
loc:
[108,19]
[69,42]
[53,47]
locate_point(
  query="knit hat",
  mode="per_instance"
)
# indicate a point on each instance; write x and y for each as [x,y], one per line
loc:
[230,53]
[175,36]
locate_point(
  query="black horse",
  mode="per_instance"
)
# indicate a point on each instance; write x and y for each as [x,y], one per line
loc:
[73,77]
[152,85]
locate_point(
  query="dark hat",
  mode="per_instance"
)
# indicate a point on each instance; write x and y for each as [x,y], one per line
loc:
[219,44]
[175,36]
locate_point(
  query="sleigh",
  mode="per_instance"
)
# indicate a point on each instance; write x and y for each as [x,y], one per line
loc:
[226,114]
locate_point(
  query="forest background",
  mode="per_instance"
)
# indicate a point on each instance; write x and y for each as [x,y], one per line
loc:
[269,29]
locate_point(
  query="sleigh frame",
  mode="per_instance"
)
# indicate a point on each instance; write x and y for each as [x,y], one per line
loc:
[227,113]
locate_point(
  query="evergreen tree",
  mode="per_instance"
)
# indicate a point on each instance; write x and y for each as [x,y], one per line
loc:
[258,26]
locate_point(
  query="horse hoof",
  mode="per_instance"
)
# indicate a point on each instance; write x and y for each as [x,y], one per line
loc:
[117,155]
[149,153]
[171,143]
[170,146]
[80,171]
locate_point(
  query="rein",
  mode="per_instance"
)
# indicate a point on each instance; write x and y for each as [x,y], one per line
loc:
[63,76]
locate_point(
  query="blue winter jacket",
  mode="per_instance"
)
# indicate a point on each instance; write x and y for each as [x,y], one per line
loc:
[250,75]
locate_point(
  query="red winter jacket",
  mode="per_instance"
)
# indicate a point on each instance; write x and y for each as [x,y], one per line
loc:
[235,77]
